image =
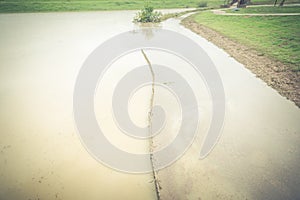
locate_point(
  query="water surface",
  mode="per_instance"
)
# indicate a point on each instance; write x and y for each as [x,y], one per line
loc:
[41,155]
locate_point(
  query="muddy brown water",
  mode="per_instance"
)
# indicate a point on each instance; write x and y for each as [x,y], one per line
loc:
[41,155]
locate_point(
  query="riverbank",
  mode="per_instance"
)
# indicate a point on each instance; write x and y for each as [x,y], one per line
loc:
[20,6]
[282,76]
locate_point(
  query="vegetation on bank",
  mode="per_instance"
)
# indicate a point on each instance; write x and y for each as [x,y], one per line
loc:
[266,9]
[275,36]
[10,6]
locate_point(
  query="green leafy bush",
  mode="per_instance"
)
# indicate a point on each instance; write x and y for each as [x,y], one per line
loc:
[147,14]
[202,4]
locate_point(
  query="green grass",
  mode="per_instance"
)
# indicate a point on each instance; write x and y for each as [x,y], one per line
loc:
[260,2]
[275,36]
[268,9]
[9,6]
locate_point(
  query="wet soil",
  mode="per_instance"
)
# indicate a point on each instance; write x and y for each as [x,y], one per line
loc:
[279,76]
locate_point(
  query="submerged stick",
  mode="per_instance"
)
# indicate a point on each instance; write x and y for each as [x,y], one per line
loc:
[154,173]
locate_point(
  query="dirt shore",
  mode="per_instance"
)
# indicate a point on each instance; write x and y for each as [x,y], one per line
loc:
[276,74]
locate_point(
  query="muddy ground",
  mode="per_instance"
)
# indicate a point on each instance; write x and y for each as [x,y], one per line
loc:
[276,74]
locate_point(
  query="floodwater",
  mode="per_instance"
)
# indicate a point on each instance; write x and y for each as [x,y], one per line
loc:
[41,155]
[258,154]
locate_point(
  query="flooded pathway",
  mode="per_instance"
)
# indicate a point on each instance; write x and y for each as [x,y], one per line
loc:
[41,155]
[258,154]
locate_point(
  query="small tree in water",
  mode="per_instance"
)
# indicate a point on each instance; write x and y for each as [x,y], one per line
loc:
[147,14]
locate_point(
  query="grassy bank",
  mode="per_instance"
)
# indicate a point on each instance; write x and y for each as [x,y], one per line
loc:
[275,36]
[8,6]
[269,9]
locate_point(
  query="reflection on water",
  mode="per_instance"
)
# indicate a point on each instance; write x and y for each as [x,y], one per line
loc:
[148,29]
[41,156]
